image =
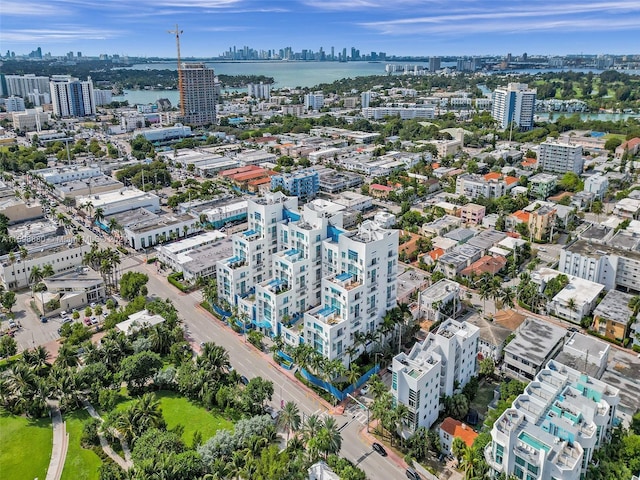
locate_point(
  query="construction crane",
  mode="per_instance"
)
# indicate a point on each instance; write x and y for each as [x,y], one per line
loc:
[177,33]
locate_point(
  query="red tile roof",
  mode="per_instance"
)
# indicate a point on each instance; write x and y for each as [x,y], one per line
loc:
[521,215]
[436,253]
[486,264]
[456,428]
[492,176]
[377,186]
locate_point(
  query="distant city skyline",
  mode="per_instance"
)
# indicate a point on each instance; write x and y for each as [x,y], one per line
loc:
[398,27]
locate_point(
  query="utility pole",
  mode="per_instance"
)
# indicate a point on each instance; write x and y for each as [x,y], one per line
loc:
[177,33]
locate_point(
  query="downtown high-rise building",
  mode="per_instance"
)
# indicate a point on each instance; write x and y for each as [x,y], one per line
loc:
[72,97]
[514,104]
[198,94]
[23,85]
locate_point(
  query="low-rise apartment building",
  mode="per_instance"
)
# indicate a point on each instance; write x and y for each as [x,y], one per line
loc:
[557,157]
[612,317]
[534,345]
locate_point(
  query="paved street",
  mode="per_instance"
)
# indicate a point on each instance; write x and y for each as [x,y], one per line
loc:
[200,327]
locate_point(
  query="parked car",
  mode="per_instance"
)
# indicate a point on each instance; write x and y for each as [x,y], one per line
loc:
[412,474]
[94,321]
[365,389]
[244,380]
[379,448]
[87,321]
[43,319]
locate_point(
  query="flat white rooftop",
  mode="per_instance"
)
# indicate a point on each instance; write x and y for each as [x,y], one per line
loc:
[193,242]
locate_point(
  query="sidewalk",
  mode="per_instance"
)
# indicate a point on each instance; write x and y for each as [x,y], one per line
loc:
[125,463]
[268,357]
[393,456]
[60,443]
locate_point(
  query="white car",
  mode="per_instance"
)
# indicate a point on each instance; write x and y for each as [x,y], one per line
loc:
[365,389]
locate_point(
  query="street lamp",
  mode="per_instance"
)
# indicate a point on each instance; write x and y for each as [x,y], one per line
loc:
[362,405]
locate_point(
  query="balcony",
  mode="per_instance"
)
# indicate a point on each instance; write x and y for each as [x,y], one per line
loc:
[345,280]
[489,459]
[327,315]
[236,262]
[277,286]
[250,235]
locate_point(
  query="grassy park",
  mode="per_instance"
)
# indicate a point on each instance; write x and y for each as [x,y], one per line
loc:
[178,410]
[25,447]
[81,463]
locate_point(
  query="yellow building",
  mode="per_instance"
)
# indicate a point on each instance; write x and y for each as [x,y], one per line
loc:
[541,222]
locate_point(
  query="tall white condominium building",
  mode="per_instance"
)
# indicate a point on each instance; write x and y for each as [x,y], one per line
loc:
[23,85]
[199,93]
[259,90]
[313,101]
[432,369]
[72,97]
[560,157]
[250,263]
[297,270]
[300,274]
[553,428]
[514,103]
[361,271]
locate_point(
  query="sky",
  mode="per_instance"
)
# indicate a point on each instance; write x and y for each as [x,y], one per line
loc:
[397,27]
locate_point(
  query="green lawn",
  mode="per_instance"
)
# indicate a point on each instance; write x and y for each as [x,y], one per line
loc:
[25,447]
[484,397]
[81,463]
[178,410]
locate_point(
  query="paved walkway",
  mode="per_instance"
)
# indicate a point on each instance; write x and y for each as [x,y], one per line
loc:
[125,462]
[60,443]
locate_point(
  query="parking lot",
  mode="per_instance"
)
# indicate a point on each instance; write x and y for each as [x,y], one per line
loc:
[31,331]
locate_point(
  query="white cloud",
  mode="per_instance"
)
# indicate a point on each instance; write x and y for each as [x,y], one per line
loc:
[33,9]
[339,5]
[517,17]
[61,33]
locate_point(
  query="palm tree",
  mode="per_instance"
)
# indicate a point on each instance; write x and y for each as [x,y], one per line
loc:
[634,304]
[289,418]
[41,288]
[351,350]
[469,463]
[12,261]
[458,447]
[98,216]
[147,412]
[329,437]
[112,225]
[185,229]
[24,253]
[507,297]
[88,206]
[311,427]
[353,375]
[572,305]
[47,270]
